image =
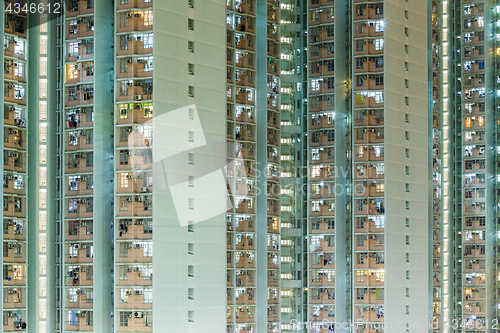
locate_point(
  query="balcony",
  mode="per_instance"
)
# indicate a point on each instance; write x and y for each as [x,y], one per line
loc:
[83,50]
[79,321]
[369,47]
[80,117]
[15,48]
[129,45]
[83,27]
[13,229]
[77,208]
[369,82]
[80,140]
[15,93]
[14,252]
[136,206]
[13,206]
[135,90]
[138,115]
[133,299]
[134,252]
[15,25]
[322,155]
[80,72]
[13,184]
[365,297]
[14,71]
[14,162]
[14,275]
[79,253]
[15,139]
[245,7]
[369,117]
[79,162]
[13,298]
[15,321]
[321,138]
[134,68]
[137,321]
[363,29]
[80,95]
[79,230]
[135,4]
[136,275]
[323,279]
[373,279]
[135,159]
[322,296]
[76,298]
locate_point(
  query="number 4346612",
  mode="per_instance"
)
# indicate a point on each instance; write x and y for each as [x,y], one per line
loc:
[34,8]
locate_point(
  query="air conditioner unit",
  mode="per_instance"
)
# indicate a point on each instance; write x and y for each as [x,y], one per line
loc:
[76,246]
[190,95]
[83,269]
[12,246]
[11,314]
[129,84]
[143,189]
[128,37]
[129,61]
[137,314]
[137,269]
[190,49]
[128,269]
[129,14]
[364,130]
[127,200]
[372,130]
[190,73]
[83,179]
[83,314]
[129,176]
[137,15]
[140,199]
[77,57]
[83,247]
[138,97]
[128,246]
[140,222]
[84,201]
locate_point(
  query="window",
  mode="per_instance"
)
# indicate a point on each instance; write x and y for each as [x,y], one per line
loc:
[406,14]
[406,66]
[148,17]
[190,24]
[407,100]
[407,222]
[407,204]
[191,316]
[407,240]
[407,275]
[190,271]
[407,48]
[190,46]
[407,84]
[407,187]
[379,62]
[407,170]
[379,80]
[406,31]
[407,152]
[379,44]
[407,135]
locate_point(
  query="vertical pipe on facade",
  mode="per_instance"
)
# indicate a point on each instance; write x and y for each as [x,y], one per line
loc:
[342,165]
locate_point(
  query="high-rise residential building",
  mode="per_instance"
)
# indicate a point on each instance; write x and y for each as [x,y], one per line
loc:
[342,177]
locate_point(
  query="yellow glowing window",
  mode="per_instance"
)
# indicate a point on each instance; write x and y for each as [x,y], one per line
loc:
[481,121]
